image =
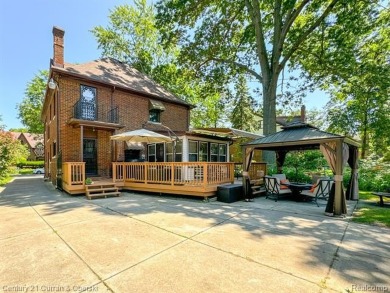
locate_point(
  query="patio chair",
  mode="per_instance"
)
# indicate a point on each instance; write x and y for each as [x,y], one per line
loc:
[250,189]
[273,187]
[320,190]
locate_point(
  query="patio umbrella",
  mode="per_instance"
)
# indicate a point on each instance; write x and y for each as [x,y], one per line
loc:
[141,135]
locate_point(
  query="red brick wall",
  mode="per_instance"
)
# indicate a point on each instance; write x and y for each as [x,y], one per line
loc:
[50,136]
[133,113]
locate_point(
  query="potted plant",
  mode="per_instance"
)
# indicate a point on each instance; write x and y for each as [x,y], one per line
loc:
[88,181]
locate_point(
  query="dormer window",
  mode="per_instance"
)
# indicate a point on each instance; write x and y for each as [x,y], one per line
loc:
[155,109]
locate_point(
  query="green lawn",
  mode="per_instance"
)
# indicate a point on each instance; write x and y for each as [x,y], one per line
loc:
[369,212]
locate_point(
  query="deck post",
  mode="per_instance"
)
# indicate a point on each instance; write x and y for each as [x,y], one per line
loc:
[113,172]
[81,143]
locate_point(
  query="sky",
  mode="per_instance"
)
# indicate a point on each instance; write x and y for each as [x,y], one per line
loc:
[26,44]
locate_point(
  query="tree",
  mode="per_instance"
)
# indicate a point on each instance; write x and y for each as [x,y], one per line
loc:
[258,37]
[11,151]
[22,129]
[31,106]
[132,37]
[244,114]
[355,72]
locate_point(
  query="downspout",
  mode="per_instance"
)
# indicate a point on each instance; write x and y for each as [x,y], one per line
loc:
[112,144]
[81,143]
[58,117]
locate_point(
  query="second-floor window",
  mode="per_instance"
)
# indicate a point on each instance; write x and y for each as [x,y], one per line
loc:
[88,102]
[154,115]
[155,109]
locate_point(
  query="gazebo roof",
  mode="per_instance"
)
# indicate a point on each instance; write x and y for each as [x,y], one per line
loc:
[297,136]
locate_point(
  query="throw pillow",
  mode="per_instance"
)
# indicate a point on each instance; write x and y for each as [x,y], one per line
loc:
[284,181]
[313,187]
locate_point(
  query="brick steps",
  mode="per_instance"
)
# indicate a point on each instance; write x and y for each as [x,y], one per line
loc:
[101,190]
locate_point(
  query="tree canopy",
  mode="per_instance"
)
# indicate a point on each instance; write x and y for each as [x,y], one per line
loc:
[244,114]
[132,37]
[355,71]
[258,37]
[31,106]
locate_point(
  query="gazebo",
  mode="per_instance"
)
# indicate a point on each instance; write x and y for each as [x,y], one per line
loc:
[337,150]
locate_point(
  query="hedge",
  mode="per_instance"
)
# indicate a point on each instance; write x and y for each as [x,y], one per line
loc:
[31,164]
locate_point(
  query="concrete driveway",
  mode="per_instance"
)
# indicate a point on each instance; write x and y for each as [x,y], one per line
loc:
[53,242]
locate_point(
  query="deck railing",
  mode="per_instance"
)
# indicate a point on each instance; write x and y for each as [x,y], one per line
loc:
[174,173]
[91,111]
[73,173]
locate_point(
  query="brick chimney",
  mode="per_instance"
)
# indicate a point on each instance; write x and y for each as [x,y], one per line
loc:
[303,114]
[58,46]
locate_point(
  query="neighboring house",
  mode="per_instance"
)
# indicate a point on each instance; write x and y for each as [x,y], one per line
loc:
[85,104]
[34,143]
[284,120]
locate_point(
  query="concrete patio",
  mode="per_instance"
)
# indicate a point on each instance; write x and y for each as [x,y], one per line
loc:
[50,241]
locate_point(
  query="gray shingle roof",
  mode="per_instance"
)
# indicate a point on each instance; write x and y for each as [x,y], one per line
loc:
[116,73]
[295,132]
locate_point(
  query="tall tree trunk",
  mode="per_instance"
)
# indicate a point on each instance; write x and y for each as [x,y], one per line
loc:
[364,143]
[269,106]
[269,111]
[365,130]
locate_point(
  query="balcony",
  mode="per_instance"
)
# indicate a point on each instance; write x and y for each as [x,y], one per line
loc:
[98,116]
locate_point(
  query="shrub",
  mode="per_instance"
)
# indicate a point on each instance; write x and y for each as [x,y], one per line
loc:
[296,175]
[25,171]
[31,164]
[374,174]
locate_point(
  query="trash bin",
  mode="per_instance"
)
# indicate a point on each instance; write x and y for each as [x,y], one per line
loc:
[229,193]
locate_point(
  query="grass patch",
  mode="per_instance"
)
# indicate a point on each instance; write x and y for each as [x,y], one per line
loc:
[369,212]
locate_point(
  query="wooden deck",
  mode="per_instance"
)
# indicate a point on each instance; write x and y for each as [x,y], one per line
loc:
[199,179]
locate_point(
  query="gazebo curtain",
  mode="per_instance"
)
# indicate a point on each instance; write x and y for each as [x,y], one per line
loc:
[280,158]
[329,151]
[353,186]
[248,159]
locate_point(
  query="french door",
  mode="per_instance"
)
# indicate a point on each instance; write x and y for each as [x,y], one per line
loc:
[90,156]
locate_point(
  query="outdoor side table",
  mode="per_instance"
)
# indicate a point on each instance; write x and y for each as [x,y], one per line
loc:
[229,193]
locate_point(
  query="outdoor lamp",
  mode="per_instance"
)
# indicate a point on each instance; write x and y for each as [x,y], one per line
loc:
[52,84]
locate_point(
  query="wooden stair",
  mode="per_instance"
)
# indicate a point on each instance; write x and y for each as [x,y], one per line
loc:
[101,190]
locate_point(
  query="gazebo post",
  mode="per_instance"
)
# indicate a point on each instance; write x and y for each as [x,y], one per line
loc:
[338,178]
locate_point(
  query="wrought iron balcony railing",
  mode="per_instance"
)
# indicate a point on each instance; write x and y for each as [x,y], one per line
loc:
[91,111]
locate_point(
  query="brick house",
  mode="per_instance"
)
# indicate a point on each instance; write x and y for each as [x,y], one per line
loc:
[85,104]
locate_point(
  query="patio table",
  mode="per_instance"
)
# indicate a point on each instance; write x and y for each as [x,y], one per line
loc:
[296,189]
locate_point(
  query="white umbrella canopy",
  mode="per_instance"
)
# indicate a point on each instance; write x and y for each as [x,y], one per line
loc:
[141,135]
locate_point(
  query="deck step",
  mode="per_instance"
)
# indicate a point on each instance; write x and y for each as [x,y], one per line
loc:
[102,185]
[103,195]
[102,190]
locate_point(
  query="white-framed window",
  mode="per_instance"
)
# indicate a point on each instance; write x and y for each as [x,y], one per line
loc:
[193,151]
[214,152]
[203,151]
[222,153]
[169,152]
[151,152]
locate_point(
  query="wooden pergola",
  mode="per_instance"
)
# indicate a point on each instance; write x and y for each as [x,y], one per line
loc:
[337,149]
